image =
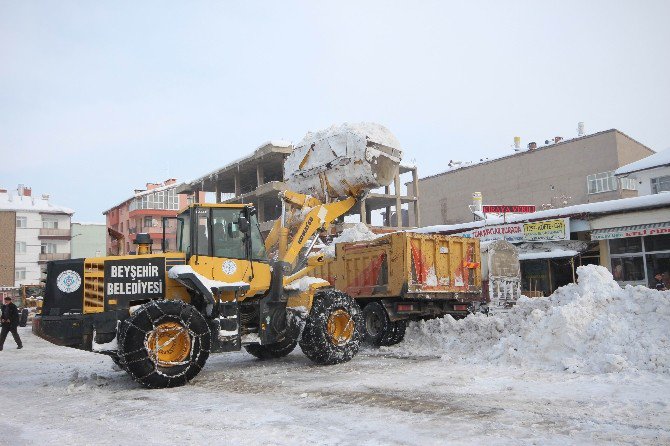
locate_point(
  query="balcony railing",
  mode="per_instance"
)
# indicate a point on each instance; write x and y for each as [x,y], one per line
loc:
[49,232]
[53,256]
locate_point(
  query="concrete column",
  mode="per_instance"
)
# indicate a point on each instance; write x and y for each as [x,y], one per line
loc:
[217,191]
[364,212]
[398,203]
[260,177]
[415,186]
[236,177]
[387,210]
[260,206]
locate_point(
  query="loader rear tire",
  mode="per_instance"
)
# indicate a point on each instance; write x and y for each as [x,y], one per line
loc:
[334,328]
[164,343]
[272,351]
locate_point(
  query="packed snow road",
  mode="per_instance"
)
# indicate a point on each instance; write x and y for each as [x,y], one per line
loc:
[59,394]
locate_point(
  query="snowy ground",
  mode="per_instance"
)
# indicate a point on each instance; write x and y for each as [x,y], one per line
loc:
[587,365]
[381,397]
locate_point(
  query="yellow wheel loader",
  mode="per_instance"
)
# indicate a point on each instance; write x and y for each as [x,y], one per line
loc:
[160,315]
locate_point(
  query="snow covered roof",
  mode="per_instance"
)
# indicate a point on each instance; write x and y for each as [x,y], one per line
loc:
[553,254]
[468,164]
[658,159]
[11,202]
[603,207]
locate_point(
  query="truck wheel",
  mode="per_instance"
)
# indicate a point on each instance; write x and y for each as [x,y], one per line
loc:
[334,328]
[272,351]
[164,343]
[378,326]
[398,335]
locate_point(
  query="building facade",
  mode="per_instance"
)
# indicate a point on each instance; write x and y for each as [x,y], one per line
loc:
[40,232]
[259,178]
[630,237]
[143,213]
[564,173]
[88,240]
[652,174]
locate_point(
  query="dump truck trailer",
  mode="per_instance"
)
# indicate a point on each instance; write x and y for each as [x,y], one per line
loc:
[406,276]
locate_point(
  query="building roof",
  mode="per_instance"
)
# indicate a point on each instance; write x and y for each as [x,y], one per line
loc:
[526,152]
[11,202]
[270,154]
[658,159]
[582,210]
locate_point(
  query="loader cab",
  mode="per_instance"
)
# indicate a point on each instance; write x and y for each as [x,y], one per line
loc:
[222,231]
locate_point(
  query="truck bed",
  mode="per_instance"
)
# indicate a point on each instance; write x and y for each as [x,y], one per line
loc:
[407,265]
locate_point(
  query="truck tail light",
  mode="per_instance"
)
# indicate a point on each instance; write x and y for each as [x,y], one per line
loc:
[460,307]
[405,307]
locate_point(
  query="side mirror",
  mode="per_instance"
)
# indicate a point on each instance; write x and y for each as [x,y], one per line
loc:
[243,225]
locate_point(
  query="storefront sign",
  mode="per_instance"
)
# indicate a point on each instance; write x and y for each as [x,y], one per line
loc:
[540,231]
[508,209]
[631,231]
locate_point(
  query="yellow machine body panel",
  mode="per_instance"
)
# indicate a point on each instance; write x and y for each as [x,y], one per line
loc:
[234,270]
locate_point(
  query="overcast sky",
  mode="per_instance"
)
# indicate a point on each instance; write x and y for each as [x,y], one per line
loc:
[98,98]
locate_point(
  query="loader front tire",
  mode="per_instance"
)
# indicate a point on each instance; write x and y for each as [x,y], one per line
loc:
[334,328]
[272,351]
[164,343]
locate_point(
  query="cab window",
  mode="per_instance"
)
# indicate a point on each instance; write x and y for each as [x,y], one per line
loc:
[257,243]
[227,237]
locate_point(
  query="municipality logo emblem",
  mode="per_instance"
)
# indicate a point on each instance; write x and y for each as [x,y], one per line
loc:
[68,281]
[229,267]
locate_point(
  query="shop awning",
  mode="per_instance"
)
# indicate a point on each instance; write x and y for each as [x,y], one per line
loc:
[553,254]
[631,231]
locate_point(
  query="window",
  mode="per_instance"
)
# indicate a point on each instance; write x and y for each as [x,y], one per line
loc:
[601,182]
[20,247]
[50,223]
[658,185]
[20,273]
[628,269]
[21,222]
[48,248]
[228,239]
[628,183]
[148,222]
[626,245]
[162,199]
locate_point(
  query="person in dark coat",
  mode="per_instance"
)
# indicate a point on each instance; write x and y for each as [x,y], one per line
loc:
[10,321]
[659,285]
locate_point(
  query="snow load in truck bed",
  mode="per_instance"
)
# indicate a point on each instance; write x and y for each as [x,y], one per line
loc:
[342,161]
[593,326]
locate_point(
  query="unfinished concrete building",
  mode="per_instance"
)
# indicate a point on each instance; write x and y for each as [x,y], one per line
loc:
[258,179]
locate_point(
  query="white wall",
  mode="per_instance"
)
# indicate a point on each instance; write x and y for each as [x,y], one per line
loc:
[30,235]
[644,178]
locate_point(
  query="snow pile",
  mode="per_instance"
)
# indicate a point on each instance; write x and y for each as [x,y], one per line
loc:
[594,326]
[356,233]
[303,283]
[370,130]
[175,271]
